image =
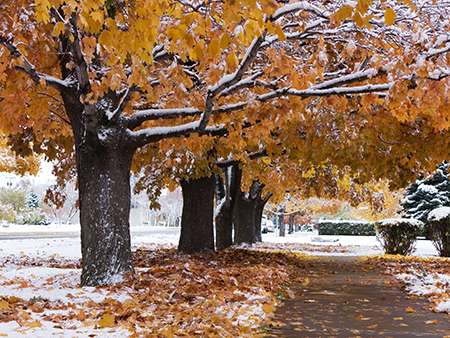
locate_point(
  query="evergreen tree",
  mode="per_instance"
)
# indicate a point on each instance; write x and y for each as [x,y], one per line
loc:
[427,194]
[33,200]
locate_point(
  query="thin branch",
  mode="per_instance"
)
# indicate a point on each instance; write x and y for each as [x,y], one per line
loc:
[114,116]
[252,156]
[300,6]
[61,117]
[249,82]
[299,211]
[29,69]
[390,143]
[338,91]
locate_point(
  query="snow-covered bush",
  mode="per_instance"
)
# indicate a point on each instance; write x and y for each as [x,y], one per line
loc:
[427,194]
[398,235]
[439,220]
[353,228]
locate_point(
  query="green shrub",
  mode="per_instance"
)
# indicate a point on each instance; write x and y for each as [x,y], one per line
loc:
[353,228]
[439,221]
[398,236]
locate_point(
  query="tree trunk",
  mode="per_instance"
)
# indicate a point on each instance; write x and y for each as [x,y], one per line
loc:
[291,224]
[244,219]
[259,207]
[104,195]
[197,233]
[248,213]
[226,195]
[224,222]
[281,223]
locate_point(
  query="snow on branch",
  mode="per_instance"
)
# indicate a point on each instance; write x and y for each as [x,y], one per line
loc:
[126,97]
[141,116]
[29,69]
[155,134]
[231,79]
[437,51]
[339,91]
[150,135]
[244,83]
[347,79]
[300,6]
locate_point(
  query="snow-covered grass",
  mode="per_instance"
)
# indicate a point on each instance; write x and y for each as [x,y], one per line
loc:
[30,277]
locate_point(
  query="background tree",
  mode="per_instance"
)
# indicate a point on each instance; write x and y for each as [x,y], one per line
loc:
[426,194]
[134,73]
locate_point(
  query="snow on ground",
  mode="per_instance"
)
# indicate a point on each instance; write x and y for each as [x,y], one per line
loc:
[53,284]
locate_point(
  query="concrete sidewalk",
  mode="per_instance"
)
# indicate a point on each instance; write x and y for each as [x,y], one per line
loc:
[338,297]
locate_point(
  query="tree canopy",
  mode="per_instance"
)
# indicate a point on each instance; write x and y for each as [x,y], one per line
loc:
[312,80]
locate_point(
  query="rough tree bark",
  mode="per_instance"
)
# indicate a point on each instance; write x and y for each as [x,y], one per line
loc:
[226,197]
[248,213]
[103,166]
[197,232]
[281,223]
[291,224]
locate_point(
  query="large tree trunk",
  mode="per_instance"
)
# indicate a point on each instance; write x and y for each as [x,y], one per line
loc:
[103,169]
[226,195]
[259,207]
[281,223]
[197,233]
[224,219]
[244,219]
[248,213]
[104,195]
[291,224]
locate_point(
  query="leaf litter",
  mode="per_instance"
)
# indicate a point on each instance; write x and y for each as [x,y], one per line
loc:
[231,293]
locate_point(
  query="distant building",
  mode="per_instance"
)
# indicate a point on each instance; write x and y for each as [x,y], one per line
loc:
[8,180]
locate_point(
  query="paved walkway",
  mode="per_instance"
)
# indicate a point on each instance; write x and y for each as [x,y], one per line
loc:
[340,299]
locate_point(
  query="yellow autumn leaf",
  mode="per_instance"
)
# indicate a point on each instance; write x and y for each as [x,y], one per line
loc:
[431,322]
[358,20]
[389,16]
[4,305]
[107,320]
[266,160]
[280,33]
[196,53]
[232,59]
[409,310]
[343,13]
[267,308]
[214,47]
[398,318]
[105,38]
[59,28]
[225,40]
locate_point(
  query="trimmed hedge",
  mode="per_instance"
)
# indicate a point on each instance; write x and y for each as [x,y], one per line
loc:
[439,220]
[398,235]
[352,228]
